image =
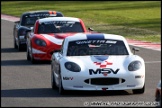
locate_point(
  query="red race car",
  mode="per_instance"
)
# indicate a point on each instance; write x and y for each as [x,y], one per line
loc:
[47,36]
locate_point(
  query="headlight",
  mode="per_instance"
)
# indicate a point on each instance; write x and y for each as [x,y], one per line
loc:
[135,65]
[72,67]
[40,42]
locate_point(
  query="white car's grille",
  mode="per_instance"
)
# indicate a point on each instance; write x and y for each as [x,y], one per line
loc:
[104,81]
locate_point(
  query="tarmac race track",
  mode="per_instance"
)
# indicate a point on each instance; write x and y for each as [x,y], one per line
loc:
[26,85]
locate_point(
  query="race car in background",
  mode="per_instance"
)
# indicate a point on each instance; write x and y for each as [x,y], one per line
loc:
[97,62]
[158,94]
[48,34]
[27,20]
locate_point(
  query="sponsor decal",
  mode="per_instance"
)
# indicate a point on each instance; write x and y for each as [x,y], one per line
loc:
[77,86]
[101,58]
[95,42]
[67,78]
[103,64]
[139,76]
[104,74]
[131,85]
[60,22]
[38,14]
[103,71]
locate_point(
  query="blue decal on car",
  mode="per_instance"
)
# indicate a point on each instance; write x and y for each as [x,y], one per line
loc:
[76,86]
[131,85]
[95,36]
[101,58]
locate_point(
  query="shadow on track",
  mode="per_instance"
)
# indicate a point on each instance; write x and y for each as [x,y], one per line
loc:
[48,92]
[21,63]
[10,50]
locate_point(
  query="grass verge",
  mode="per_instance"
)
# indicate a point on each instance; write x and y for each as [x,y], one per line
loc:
[139,20]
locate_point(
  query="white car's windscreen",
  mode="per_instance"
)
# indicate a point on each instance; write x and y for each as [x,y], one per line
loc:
[96,47]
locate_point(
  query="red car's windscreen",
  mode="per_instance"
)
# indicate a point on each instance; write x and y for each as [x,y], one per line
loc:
[60,27]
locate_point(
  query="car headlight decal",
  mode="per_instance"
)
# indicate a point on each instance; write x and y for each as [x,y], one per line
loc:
[72,67]
[135,65]
[40,42]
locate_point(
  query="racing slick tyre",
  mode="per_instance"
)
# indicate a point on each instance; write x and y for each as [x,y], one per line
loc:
[139,91]
[20,48]
[61,89]
[33,61]
[53,83]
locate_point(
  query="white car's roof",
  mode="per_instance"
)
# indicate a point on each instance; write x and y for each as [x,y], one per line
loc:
[82,36]
[59,19]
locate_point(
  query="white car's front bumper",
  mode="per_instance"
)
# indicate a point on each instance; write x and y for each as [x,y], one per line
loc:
[120,81]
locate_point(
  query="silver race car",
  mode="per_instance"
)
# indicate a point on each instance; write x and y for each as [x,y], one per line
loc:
[96,61]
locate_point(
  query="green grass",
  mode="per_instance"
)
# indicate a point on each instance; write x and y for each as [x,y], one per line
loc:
[139,20]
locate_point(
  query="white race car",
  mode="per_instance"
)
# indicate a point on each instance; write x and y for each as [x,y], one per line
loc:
[97,61]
